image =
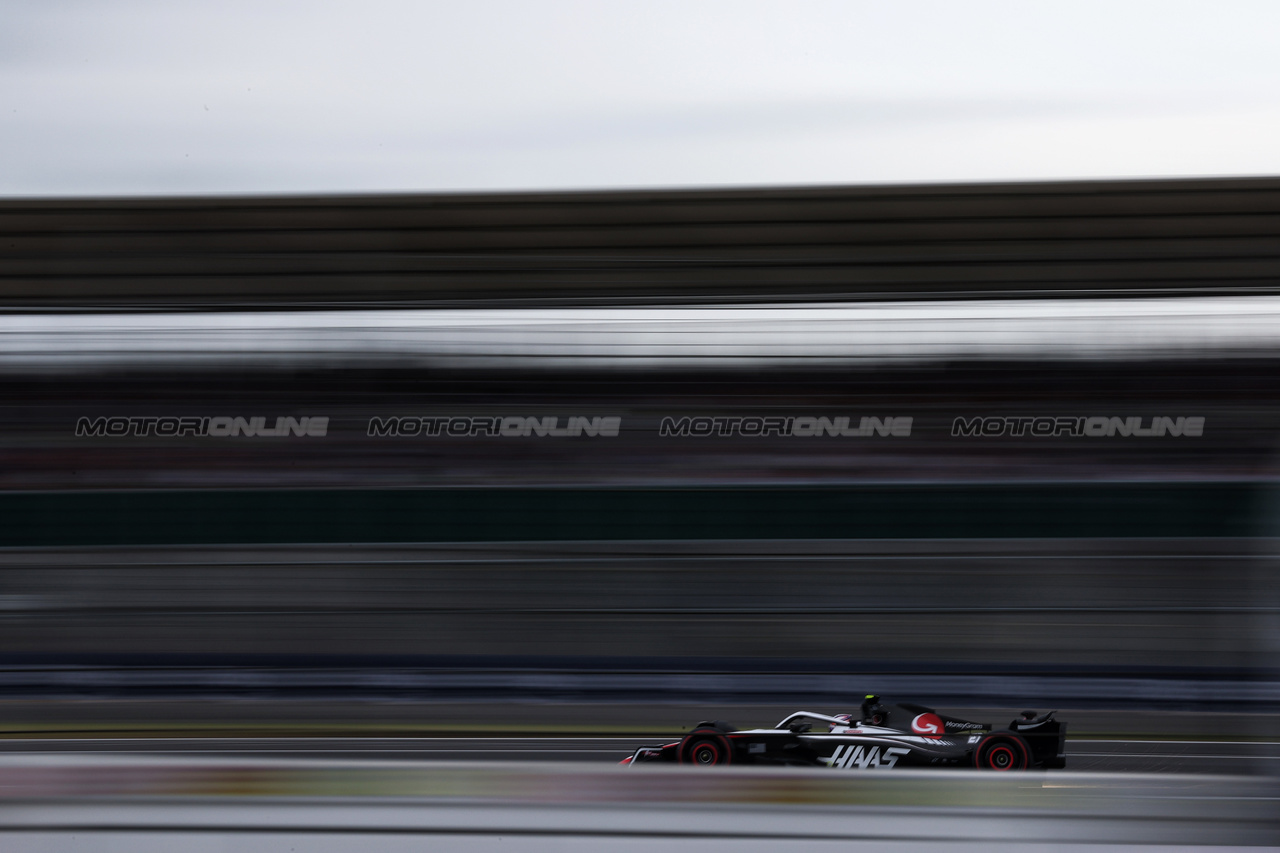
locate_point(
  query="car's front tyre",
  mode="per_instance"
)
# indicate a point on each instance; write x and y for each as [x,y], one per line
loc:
[705,748]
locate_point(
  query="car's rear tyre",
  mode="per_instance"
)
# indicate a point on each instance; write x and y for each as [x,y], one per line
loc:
[706,749]
[1002,753]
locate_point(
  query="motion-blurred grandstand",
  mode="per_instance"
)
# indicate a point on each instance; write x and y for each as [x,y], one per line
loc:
[1100,563]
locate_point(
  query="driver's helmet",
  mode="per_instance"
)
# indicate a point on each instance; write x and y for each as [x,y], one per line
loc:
[846,722]
[873,713]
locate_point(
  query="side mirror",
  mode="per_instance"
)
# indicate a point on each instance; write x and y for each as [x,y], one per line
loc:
[800,728]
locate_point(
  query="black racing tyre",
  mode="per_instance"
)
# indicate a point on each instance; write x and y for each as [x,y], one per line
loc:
[1002,753]
[705,749]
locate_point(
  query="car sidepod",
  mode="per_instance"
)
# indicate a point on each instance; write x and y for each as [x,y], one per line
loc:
[887,752]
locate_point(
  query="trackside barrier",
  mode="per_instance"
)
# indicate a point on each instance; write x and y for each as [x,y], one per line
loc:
[56,795]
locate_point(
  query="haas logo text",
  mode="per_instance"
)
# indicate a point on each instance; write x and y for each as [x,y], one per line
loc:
[861,757]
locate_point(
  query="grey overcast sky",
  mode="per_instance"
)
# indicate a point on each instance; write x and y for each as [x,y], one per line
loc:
[132,97]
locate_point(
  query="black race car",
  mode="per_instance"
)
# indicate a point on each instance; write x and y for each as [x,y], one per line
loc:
[882,737]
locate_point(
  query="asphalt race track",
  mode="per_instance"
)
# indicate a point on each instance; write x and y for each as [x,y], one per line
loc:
[1083,755]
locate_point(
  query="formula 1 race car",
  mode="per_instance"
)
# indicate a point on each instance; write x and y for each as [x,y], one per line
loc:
[882,737]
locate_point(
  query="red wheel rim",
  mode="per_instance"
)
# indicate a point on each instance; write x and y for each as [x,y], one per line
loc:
[1000,758]
[705,754]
